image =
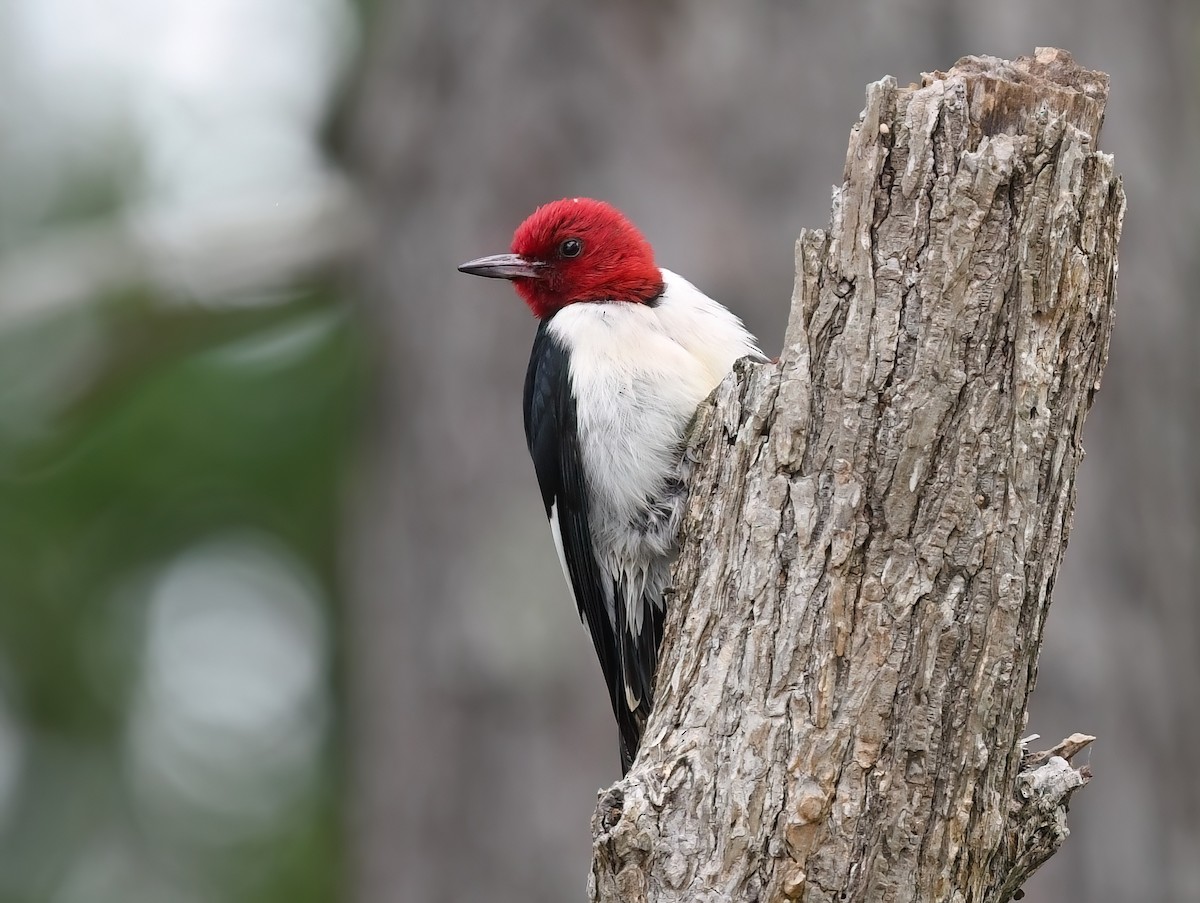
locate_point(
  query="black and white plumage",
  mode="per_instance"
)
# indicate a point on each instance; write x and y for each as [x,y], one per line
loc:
[612,384]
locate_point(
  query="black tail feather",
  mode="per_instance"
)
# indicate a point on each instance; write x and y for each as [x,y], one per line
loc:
[638,653]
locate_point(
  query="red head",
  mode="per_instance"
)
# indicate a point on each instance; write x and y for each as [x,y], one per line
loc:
[575,250]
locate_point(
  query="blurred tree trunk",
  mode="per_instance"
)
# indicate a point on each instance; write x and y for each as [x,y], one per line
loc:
[878,520]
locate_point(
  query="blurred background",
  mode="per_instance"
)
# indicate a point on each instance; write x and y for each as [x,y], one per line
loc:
[279,614]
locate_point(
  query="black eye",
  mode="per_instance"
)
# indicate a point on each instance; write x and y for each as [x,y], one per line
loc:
[572,247]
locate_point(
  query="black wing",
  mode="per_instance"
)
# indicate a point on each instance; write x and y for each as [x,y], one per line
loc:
[552,433]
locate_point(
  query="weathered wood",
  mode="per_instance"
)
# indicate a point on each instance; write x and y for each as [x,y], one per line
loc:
[877,521]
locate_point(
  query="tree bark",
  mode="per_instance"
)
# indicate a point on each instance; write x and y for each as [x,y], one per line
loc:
[876,523]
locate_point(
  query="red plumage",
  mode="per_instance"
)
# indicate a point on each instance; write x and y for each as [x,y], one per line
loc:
[616,263]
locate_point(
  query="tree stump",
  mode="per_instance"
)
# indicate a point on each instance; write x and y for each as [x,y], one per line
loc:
[876,523]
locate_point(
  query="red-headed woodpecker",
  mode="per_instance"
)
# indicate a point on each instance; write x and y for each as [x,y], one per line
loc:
[624,354]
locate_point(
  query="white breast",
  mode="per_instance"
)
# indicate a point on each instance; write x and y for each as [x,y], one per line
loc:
[638,372]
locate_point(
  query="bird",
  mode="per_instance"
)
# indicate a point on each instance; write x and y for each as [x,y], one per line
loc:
[625,351]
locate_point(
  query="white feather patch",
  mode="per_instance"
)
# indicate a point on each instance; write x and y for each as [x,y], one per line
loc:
[631,698]
[556,532]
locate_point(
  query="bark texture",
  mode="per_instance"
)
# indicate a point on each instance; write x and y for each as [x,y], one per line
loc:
[877,522]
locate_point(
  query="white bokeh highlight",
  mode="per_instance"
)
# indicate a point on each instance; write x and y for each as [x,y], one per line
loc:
[230,716]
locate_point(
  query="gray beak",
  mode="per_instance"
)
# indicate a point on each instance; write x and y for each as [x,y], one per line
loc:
[501,266]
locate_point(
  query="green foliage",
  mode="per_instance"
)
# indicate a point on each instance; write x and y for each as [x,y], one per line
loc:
[129,435]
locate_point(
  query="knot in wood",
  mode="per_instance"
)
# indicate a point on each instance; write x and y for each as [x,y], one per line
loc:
[793,884]
[612,807]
